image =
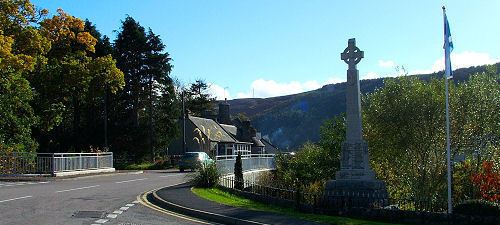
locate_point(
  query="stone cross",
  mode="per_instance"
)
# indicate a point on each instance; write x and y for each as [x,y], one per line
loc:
[355,177]
[352,55]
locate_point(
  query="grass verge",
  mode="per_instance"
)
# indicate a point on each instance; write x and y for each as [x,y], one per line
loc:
[226,198]
[144,166]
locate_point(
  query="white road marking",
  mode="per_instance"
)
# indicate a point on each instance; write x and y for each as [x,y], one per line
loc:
[20,184]
[126,181]
[74,189]
[173,175]
[135,202]
[101,221]
[124,208]
[112,216]
[129,205]
[23,183]
[117,212]
[12,199]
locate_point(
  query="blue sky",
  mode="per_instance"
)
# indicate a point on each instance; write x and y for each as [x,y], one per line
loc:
[267,48]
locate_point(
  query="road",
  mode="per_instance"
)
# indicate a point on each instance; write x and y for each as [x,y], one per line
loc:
[106,199]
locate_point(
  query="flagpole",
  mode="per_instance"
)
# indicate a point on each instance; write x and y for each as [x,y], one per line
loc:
[448,153]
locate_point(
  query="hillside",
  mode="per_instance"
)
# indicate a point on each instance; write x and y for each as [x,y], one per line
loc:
[289,121]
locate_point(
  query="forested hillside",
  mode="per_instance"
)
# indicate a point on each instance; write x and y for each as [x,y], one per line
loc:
[289,121]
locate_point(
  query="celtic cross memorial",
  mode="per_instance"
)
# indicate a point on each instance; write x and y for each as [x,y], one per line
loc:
[355,179]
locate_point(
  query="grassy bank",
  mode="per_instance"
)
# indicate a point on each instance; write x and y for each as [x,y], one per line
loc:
[223,197]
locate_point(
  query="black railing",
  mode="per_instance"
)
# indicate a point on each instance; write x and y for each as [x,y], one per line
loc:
[336,202]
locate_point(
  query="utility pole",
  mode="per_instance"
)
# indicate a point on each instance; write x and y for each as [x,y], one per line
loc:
[183,121]
[106,118]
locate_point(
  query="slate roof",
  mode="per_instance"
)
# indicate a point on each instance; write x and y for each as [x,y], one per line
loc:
[230,129]
[257,142]
[211,129]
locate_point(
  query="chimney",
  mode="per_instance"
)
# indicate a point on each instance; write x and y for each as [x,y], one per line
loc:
[224,116]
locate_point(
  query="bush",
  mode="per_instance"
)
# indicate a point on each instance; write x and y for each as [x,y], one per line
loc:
[478,208]
[207,175]
[238,173]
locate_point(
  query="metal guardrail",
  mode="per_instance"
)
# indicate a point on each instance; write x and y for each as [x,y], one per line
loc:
[225,163]
[13,164]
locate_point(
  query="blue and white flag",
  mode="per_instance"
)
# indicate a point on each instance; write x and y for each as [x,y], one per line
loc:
[448,47]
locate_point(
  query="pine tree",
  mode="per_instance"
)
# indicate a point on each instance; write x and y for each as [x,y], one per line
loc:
[145,112]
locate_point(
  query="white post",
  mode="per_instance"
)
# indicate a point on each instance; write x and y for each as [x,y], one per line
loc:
[446,76]
[448,153]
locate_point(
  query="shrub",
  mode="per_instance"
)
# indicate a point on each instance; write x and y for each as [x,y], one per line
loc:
[207,175]
[478,207]
[488,181]
[238,173]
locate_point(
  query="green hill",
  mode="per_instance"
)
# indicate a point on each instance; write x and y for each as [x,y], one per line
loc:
[289,121]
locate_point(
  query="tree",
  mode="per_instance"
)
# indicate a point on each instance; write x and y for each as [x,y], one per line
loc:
[64,84]
[145,111]
[198,98]
[332,136]
[404,127]
[21,49]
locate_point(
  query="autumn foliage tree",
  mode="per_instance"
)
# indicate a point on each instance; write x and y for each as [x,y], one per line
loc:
[63,84]
[46,74]
[21,50]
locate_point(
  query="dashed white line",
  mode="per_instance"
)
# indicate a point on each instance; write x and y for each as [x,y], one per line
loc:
[21,184]
[101,221]
[129,205]
[117,212]
[135,202]
[13,199]
[74,189]
[112,216]
[124,208]
[173,175]
[126,181]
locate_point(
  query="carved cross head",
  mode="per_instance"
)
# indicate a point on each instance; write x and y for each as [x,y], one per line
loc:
[352,55]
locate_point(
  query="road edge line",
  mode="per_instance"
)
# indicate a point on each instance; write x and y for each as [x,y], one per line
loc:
[142,198]
[200,214]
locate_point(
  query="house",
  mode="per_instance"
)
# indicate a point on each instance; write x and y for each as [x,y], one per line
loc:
[218,135]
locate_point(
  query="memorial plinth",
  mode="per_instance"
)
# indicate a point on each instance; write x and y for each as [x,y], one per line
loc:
[355,180]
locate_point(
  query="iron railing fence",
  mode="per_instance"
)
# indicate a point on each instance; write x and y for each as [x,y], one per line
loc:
[13,164]
[225,163]
[320,202]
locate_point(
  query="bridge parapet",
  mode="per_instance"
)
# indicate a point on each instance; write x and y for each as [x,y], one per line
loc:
[55,164]
[250,162]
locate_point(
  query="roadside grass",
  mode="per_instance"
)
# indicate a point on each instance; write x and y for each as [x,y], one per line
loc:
[145,166]
[226,198]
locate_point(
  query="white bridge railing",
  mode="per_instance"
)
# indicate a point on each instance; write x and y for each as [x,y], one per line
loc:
[13,164]
[225,163]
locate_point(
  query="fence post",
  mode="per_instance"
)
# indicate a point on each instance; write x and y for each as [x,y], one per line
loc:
[53,166]
[110,159]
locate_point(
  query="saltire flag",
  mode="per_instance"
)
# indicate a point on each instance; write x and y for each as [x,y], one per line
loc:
[448,47]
